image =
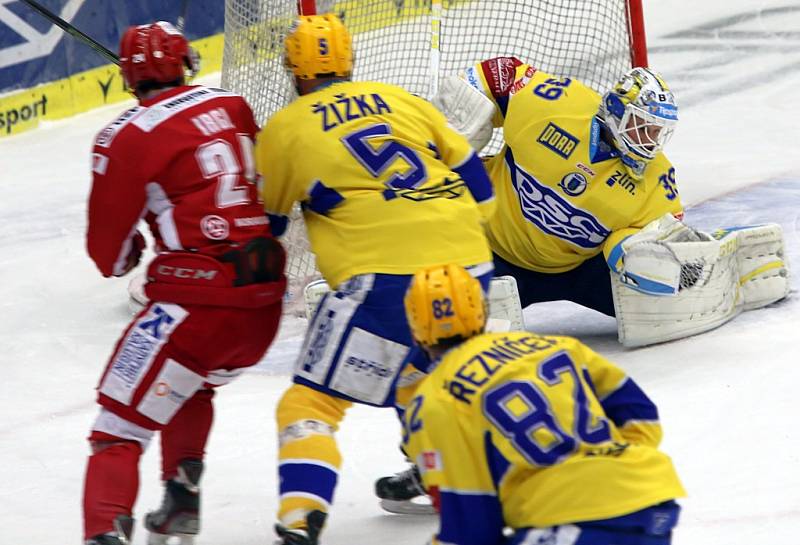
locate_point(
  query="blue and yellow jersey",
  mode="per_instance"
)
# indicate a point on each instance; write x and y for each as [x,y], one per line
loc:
[533,431]
[564,192]
[386,186]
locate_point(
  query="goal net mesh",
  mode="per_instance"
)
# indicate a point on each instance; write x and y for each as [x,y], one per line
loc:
[393,41]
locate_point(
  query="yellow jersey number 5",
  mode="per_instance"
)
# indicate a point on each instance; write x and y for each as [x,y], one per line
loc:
[378,160]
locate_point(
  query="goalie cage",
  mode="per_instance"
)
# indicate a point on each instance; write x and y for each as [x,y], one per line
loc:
[414,43]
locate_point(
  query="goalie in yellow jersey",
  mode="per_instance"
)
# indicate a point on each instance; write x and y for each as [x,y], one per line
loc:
[535,434]
[584,188]
[386,187]
[578,174]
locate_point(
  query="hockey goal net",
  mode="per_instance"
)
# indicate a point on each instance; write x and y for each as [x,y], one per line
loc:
[413,43]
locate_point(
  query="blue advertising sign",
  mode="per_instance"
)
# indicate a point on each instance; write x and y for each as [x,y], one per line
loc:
[33,50]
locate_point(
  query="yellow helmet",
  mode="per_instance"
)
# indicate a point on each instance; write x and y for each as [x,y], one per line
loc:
[319,45]
[443,302]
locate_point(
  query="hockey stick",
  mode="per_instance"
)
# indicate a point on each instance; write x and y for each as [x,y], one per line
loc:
[72,31]
[436,52]
[180,22]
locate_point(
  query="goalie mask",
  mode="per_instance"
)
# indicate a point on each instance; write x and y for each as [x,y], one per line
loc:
[157,54]
[641,114]
[444,302]
[319,46]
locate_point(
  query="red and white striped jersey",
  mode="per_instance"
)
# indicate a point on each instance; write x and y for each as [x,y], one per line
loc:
[183,161]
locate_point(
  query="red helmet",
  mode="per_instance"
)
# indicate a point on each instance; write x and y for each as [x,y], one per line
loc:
[156,53]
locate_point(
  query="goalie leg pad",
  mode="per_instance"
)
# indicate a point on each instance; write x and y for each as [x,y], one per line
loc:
[738,269]
[312,294]
[644,319]
[505,308]
[763,273]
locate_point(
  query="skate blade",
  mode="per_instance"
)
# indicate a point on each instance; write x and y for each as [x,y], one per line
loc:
[174,539]
[407,507]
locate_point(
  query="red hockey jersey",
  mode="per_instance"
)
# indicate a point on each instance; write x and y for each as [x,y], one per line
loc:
[183,161]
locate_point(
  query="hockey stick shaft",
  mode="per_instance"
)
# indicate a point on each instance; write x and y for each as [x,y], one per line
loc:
[180,23]
[436,51]
[72,31]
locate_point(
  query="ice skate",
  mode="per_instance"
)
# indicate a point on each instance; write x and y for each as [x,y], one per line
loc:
[315,520]
[123,531]
[179,514]
[404,494]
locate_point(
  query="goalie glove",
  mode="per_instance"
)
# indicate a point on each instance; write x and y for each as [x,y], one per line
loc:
[468,111]
[650,266]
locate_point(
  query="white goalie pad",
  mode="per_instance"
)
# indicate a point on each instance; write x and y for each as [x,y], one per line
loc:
[467,110]
[733,270]
[312,293]
[505,309]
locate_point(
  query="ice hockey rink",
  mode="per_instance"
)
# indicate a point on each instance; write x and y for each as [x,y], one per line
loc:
[728,398]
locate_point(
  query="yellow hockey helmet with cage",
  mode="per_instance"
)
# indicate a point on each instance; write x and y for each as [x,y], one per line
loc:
[318,46]
[641,114]
[444,302]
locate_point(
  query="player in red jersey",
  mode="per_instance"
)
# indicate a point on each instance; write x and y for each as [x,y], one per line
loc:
[182,160]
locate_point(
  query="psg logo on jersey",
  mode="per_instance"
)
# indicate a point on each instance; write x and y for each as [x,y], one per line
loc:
[573,184]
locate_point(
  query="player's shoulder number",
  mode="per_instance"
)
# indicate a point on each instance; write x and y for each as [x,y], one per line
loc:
[552,88]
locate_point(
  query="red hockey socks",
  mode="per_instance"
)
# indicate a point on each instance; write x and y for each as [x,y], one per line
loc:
[112,482]
[187,433]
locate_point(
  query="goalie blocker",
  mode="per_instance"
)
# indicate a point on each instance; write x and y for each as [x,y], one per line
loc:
[715,277]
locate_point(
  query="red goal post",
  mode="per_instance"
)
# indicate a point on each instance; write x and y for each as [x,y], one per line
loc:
[413,43]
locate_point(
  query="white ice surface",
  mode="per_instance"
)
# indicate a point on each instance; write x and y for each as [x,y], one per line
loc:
[727,398]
